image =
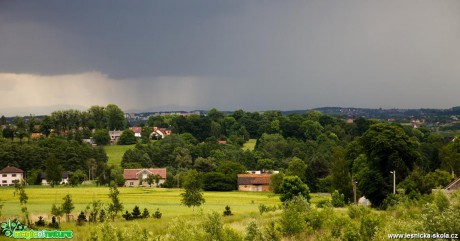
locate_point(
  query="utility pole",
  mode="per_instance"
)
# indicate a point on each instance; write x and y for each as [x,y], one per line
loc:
[394,181]
[353,182]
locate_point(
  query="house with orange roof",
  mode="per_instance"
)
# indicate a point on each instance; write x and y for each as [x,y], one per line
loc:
[254,182]
[138,177]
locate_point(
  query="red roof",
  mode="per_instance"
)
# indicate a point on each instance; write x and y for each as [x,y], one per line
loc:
[132,174]
[254,179]
[136,129]
[9,169]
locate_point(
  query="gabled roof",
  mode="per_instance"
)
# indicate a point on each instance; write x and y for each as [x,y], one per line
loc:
[10,169]
[132,174]
[254,179]
[453,184]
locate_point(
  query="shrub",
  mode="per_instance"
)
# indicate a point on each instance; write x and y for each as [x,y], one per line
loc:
[253,232]
[323,204]
[355,211]
[53,223]
[127,216]
[227,211]
[293,216]
[157,214]
[102,216]
[293,186]
[273,232]
[145,213]
[136,212]
[40,222]
[368,226]
[81,219]
[338,200]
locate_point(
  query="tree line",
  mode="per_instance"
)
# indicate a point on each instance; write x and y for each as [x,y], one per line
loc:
[325,152]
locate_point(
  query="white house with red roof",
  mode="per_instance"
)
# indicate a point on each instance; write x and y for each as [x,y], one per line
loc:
[137,177]
[9,175]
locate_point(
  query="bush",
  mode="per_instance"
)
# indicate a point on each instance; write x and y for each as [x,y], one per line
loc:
[81,219]
[293,186]
[338,200]
[355,211]
[127,216]
[40,222]
[273,232]
[368,226]
[323,204]
[227,211]
[145,213]
[136,212]
[157,214]
[53,223]
[293,216]
[253,232]
[264,208]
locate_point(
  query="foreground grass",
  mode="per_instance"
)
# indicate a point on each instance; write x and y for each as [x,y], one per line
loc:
[244,205]
[115,153]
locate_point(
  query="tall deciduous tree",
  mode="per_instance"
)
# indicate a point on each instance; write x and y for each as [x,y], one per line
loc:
[293,186]
[192,196]
[115,117]
[53,170]
[387,148]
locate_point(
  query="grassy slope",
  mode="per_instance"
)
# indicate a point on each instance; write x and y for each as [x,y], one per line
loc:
[249,145]
[115,153]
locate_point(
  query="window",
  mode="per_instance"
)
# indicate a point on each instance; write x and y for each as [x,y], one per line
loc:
[131,183]
[3,181]
[4,175]
[13,175]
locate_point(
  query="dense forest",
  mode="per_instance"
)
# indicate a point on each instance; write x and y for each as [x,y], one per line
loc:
[325,152]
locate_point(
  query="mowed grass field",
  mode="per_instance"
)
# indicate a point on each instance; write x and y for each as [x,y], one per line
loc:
[244,206]
[115,153]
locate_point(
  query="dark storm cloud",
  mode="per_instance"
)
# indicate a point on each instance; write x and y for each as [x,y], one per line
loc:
[243,54]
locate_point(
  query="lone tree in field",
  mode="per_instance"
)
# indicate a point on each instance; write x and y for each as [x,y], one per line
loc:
[192,184]
[67,206]
[23,198]
[116,206]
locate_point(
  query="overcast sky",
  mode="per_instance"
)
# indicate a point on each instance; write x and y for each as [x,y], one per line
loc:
[253,55]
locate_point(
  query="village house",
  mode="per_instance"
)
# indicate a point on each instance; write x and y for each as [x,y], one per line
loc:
[64,180]
[163,132]
[10,175]
[137,177]
[137,131]
[254,182]
[114,136]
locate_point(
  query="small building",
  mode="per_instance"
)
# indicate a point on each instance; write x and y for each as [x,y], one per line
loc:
[10,175]
[254,182]
[452,187]
[115,136]
[137,131]
[64,180]
[160,133]
[137,177]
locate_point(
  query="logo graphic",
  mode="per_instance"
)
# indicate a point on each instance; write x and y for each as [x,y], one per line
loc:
[15,229]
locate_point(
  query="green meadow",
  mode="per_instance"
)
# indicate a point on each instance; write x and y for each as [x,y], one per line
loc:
[244,206]
[115,153]
[250,144]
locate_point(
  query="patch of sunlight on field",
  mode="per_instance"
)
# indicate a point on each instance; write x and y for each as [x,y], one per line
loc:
[115,153]
[249,145]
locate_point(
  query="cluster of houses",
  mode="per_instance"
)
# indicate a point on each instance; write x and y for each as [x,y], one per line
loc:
[157,132]
[253,181]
